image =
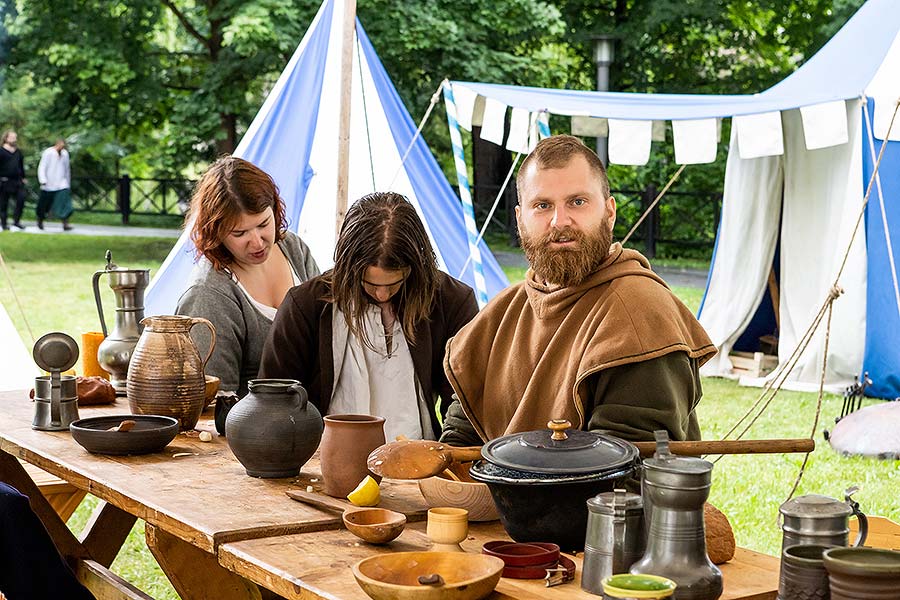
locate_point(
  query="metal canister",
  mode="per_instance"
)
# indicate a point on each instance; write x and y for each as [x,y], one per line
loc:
[615,537]
[817,519]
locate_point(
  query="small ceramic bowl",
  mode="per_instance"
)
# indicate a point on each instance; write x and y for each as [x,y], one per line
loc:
[209,393]
[400,575]
[151,433]
[374,525]
[473,496]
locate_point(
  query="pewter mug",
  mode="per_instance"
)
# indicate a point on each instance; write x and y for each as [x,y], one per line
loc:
[114,352]
[820,520]
[55,402]
[615,537]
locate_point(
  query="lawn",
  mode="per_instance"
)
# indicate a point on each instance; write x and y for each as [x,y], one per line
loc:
[52,278]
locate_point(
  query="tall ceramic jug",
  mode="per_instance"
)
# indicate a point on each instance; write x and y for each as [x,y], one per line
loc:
[346,444]
[114,352]
[165,376]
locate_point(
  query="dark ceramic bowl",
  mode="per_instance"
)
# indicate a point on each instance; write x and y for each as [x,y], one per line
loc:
[151,433]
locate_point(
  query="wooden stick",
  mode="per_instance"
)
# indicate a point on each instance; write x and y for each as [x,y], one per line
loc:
[343,171]
[732,447]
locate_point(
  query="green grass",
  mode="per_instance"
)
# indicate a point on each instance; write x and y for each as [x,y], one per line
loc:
[52,276]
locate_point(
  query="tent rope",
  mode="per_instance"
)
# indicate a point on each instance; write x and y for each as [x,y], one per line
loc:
[362,86]
[884,222]
[435,98]
[16,297]
[654,203]
[827,307]
[490,215]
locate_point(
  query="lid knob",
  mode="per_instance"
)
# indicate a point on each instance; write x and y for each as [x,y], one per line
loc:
[559,426]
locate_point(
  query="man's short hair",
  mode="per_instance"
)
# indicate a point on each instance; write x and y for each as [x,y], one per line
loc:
[556,151]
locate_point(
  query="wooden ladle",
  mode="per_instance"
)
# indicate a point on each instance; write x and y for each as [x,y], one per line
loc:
[373,525]
[419,459]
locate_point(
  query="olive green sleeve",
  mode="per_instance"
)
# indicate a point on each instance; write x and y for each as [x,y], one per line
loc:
[457,430]
[632,401]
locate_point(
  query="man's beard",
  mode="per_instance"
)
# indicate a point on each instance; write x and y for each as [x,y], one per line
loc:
[566,266]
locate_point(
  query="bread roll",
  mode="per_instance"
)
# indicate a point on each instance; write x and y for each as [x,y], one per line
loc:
[719,535]
[94,390]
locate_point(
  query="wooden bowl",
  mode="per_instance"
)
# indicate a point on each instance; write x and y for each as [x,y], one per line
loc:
[209,393]
[473,496]
[374,525]
[396,576]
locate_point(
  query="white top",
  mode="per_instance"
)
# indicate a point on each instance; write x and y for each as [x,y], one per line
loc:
[53,170]
[375,382]
[266,310]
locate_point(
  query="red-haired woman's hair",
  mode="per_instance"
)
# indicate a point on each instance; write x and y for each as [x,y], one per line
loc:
[230,187]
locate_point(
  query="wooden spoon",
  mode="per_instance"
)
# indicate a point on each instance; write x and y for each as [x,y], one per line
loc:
[126,425]
[418,459]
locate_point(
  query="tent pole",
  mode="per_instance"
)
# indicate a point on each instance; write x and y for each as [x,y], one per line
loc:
[343,171]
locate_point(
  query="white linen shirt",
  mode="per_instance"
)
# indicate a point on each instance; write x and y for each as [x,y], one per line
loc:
[53,170]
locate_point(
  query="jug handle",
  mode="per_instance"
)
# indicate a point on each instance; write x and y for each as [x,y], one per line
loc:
[861,518]
[212,343]
[96,283]
[297,387]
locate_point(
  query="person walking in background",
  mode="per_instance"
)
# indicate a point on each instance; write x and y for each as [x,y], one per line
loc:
[12,178]
[53,175]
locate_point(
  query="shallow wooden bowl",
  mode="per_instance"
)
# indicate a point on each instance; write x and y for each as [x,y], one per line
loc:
[374,525]
[473,496]
[396,576]
[209,392]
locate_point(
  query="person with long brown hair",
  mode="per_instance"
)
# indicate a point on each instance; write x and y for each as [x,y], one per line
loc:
[368,336]
[247,261]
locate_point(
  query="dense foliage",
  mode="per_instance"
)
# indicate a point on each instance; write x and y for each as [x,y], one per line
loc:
[159,87]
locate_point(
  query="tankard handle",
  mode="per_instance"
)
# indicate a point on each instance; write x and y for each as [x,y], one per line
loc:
[861,518]
[212,341]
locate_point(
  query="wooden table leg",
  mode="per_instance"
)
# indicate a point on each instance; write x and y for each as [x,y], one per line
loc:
[195,573]
[106,532]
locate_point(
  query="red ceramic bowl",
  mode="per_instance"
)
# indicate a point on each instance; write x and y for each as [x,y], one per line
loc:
[529,554]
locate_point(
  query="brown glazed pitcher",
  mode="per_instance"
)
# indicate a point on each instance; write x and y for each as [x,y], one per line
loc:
[165,375]
[346,444]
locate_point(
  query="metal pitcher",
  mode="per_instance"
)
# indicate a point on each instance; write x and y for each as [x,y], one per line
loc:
[615,537]
[114,352]
[820,520]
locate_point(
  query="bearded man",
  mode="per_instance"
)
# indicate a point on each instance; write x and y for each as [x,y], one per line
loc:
[592,335]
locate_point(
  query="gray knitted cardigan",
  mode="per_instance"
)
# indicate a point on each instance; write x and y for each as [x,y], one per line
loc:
[241,330]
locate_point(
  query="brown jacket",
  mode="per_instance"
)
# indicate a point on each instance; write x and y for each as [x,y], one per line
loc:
[299,343]
[532,352]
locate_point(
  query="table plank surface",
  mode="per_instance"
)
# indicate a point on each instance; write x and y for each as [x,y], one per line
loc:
[197,491]
[318,566]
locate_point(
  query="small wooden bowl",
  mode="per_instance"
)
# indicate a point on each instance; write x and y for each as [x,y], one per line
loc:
[374,525]
[473,496]
[209,393]
[395,576]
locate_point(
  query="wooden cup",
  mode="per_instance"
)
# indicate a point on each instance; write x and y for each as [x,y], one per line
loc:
[447,527]
[90,342]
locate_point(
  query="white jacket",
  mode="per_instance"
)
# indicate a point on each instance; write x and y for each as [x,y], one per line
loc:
[53,170]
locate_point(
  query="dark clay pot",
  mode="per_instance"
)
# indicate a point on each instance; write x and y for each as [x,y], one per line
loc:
[273,430]
[863,573]
[803,575]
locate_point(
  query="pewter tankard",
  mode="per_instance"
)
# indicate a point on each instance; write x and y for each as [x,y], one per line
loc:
[115,350]
[820,520]
[615,537]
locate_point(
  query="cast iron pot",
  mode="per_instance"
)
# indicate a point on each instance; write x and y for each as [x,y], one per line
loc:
[541,480]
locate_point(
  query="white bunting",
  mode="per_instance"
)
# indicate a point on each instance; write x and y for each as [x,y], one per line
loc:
[492,129]
[465,104]
[824,125]
[519,122]
[629,141]
[759,135]
[589,126]
[695,141]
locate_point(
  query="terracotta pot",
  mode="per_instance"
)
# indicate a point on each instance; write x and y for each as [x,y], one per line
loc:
[165,375]
[273,430]
[346,443]
[863,573]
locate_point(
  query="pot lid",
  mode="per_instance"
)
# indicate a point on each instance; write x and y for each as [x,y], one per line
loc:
[560,450]
[815,506]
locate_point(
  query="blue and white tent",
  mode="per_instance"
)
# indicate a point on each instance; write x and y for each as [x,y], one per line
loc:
[294,138]
[800,157]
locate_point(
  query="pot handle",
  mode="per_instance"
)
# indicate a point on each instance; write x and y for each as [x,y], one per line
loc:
[860,517]
[212,331]
[298,389]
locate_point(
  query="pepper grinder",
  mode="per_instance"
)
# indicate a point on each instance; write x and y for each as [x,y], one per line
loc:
[675,488]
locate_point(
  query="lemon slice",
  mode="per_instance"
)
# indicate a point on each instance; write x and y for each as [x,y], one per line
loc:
[367,493]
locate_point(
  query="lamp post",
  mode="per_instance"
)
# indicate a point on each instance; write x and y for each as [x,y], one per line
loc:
[604,53]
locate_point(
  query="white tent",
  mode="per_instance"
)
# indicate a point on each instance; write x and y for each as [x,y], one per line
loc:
[19,369]
[800,157]
[294,138]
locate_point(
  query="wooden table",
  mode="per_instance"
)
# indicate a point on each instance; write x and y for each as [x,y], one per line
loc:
[218,533]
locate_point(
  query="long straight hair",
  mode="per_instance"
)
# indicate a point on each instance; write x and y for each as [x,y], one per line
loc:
[383,230]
